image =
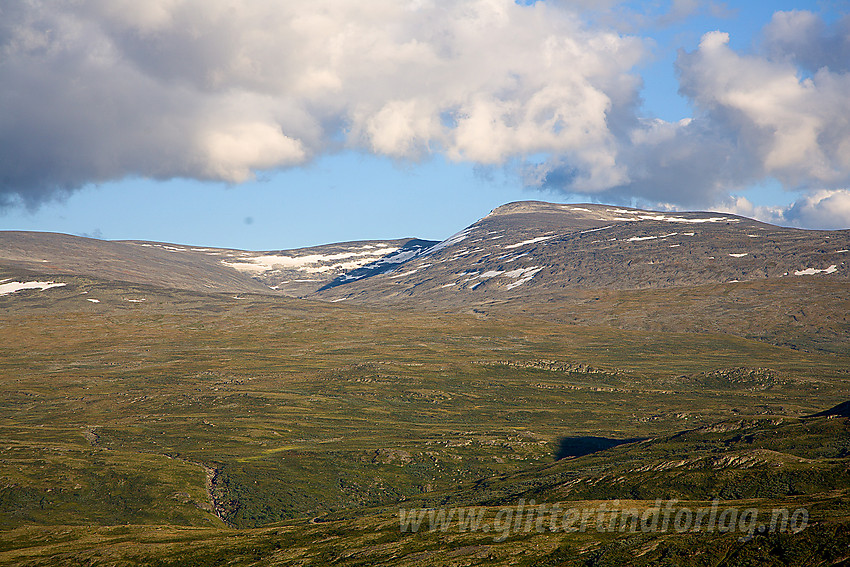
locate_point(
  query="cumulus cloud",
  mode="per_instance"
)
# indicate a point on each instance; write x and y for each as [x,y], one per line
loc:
[97,90]
[218,89]
[766,115]
[806,40]
[794,129]
[825,209]
[822,209]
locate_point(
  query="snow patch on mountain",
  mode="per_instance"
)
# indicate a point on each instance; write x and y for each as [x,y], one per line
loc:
[403,274]
[164,247]
[12,287]
[527,274]
[450,241]
[522,272]
[530,241]
[812,271]
[637,216]
[686,220]
[310,263]
[491,274]
[595,229]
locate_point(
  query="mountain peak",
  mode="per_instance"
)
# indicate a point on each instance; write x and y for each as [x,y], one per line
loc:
[534,248]
[529,249]
[535,207]
[591,211]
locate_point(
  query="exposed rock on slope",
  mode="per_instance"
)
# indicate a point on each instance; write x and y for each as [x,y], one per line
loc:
[532,248]
[529,249]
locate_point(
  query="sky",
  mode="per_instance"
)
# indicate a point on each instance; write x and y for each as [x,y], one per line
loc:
[268,125]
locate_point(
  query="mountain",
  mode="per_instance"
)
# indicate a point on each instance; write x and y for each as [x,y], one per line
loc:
[159,397]
[300,272]
[529,249]
[166,266]
[294,272]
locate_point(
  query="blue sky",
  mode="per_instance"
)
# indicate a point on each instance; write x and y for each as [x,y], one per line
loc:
[119,153]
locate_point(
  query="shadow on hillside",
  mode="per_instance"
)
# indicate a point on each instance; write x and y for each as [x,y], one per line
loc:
[841,410]
[580,446]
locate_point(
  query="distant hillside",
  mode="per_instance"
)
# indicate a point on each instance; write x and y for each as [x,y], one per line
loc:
[290,272]
[526,250]
[166,266]
[531,249]
[582,264]
[300,272]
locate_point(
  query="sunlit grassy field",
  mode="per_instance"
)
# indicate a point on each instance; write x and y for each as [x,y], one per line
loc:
[254,429]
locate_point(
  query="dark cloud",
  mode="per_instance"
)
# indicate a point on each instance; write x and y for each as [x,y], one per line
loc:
[805,39]
[98,90]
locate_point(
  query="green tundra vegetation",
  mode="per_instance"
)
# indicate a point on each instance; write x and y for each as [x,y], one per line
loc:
[164,427]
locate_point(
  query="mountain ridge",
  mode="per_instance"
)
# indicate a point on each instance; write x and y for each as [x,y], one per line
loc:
[539,248]
[523,249]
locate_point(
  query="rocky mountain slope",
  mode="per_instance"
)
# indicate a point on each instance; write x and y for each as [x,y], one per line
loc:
[295,272]
[529,249]
[302,271]
[166,266]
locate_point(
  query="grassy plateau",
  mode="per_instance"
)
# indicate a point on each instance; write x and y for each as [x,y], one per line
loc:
[162,427]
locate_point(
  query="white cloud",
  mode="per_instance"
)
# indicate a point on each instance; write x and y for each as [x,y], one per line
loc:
[219,89]
[794,129]
[826,209]
[757,117]
[231,154]
[401,128]
[97,90]
[739,205]
[805,39]
[823,209]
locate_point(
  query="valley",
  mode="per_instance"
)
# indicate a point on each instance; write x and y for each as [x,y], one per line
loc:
[221,417]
